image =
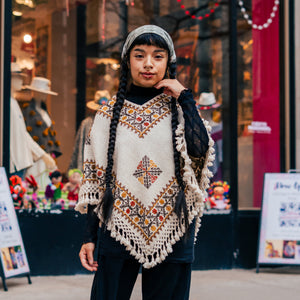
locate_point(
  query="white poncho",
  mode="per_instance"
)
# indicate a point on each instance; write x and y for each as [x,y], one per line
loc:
[145,185]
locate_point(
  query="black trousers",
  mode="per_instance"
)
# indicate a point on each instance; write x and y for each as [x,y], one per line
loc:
[115,279]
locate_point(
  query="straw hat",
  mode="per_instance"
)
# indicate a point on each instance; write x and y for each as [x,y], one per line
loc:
[15,69]
[42,85]
[207,101]
[101,97]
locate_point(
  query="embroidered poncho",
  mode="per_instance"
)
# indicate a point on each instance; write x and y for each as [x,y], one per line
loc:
[145,185]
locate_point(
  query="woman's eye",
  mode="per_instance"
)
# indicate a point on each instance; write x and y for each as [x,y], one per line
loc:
[138,56]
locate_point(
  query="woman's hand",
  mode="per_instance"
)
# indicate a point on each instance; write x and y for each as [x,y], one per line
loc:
[172,87]
[86,256]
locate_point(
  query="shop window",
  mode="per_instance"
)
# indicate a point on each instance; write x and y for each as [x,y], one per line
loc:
[258,98]
[43,99]
[200,33]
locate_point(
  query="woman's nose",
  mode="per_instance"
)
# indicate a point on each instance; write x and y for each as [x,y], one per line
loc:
[148,62]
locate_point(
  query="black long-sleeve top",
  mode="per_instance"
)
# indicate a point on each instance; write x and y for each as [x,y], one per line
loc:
[197,145]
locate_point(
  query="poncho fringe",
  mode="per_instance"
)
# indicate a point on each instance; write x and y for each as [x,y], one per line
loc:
[198,188]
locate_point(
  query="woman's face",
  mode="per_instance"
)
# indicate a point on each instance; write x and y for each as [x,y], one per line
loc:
[147,65]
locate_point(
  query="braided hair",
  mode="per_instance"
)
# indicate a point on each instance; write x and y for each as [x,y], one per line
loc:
[108,199]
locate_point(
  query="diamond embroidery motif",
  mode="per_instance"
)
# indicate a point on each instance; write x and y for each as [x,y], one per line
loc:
[147,172]
[142,119]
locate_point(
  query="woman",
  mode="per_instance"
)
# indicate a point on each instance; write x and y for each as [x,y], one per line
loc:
[138,181]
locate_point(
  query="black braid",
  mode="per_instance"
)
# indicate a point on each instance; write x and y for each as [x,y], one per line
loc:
[180,204]
[108,199]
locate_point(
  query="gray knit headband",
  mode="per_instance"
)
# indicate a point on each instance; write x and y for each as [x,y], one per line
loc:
[149,29]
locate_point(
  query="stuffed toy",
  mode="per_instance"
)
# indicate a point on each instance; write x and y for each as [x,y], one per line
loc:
[72,187]
[218,195]
[17,190]
[53,190]
[32,194]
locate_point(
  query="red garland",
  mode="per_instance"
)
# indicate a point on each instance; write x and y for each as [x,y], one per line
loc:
[188,13]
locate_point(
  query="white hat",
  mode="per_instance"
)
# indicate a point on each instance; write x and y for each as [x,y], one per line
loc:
[101,97]
[15,69]
[207,101]
[42,85]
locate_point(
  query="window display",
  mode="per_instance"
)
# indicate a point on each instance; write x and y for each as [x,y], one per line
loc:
[207,105]
[101,98]
[60,97]
[218,196]
[40,126]
[25,152]
[258,98]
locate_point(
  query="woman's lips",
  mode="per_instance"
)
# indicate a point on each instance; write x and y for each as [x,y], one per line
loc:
[147,75]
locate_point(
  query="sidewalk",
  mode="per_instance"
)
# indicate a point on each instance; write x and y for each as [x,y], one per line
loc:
[238,284]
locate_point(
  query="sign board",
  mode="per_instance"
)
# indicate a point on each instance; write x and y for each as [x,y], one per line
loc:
[279,240]
[12,253]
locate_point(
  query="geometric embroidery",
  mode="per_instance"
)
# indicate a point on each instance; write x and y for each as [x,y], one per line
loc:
[147,220]
[147,172]
[93,174]
[140,118]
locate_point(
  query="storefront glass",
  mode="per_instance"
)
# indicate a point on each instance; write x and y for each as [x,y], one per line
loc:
[43,58]
[76,45]
[258,98]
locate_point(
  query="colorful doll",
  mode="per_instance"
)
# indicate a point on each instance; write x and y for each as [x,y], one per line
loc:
[73,186]
[53,190]
[17,190]
[218,195]
[32,196]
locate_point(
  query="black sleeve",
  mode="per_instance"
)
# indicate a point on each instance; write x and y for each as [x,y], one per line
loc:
[92,225]
[195,132]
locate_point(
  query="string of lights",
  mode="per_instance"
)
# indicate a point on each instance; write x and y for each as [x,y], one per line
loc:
[201,17]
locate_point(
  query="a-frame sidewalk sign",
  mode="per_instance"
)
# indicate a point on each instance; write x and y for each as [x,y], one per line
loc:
[279,236]
[13,259]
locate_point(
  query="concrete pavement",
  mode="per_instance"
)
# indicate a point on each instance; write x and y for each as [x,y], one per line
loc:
[237,284]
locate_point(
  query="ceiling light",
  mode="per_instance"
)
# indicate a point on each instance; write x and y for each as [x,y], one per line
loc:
[17,13]
[27,38]
[28,3]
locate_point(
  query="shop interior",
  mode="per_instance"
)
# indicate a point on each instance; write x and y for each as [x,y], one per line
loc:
[76,45]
